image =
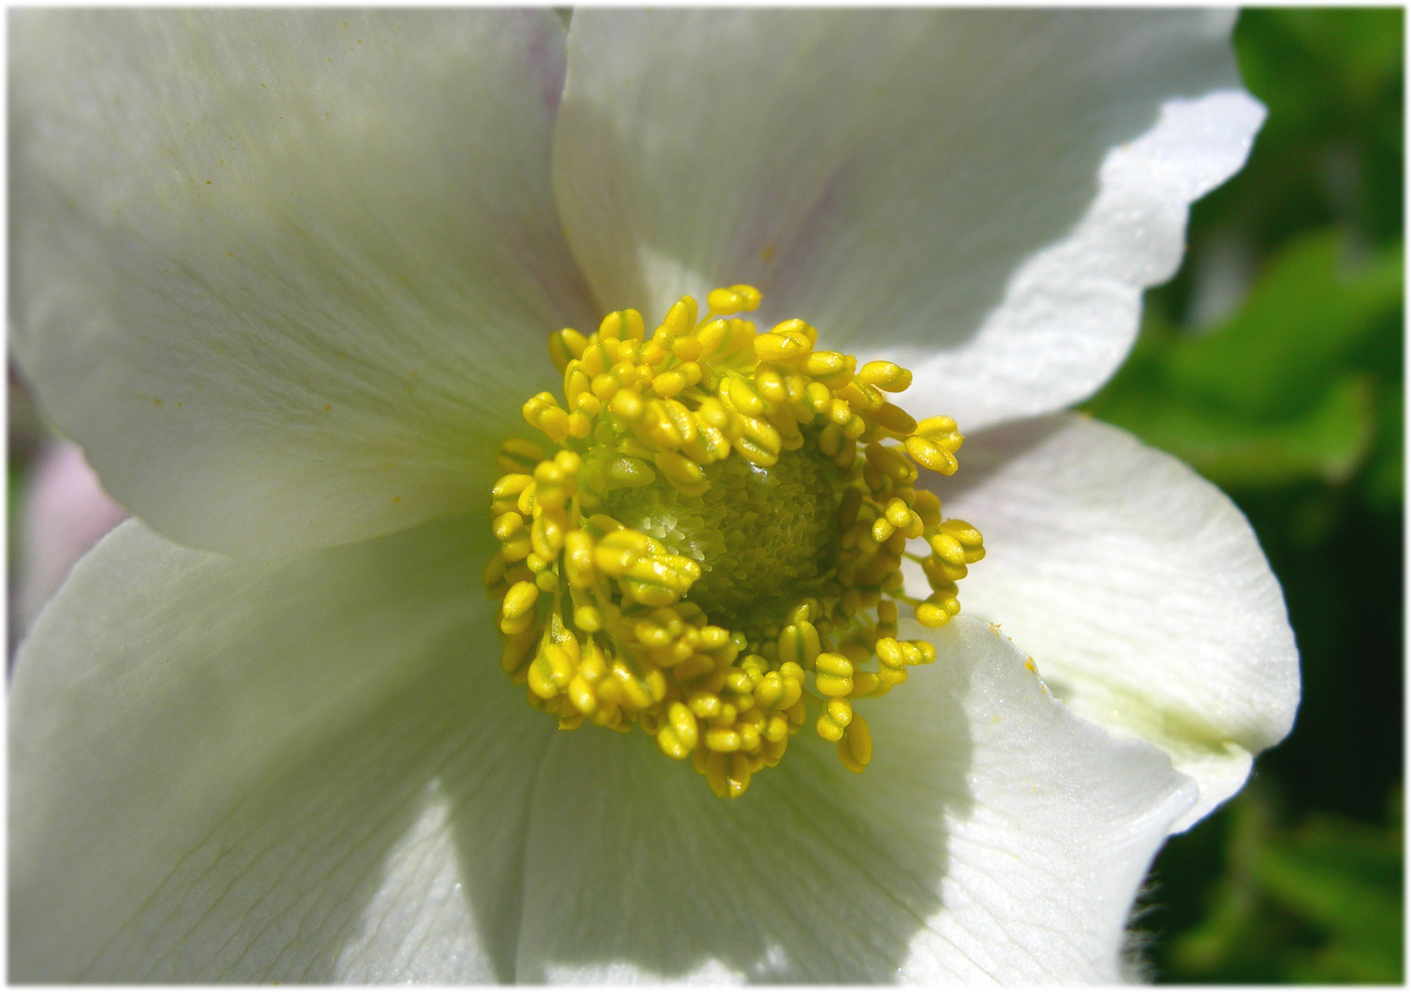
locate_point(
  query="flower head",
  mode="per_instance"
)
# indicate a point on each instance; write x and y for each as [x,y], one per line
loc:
[288,276]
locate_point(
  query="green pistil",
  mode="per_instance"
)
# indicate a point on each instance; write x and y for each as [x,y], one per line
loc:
[763,537]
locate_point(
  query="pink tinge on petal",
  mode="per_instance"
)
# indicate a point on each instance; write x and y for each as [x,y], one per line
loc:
[66,511]
[549,60]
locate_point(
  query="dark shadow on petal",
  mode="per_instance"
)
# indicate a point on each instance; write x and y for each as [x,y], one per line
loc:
[815,874]
[489,787]
[287,883]
[987,452]
[880,217]
[279,806]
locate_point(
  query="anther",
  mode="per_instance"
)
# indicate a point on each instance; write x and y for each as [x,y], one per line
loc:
[703,543]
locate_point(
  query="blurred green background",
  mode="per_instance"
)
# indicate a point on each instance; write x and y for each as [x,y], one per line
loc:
[1273,364]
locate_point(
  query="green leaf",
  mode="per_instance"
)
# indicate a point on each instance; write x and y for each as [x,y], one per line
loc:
[1343,877]
[1327,440]
[1312,306]
[1318,902]
[1280,391]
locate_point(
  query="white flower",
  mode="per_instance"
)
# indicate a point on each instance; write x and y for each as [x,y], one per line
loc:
[287,278]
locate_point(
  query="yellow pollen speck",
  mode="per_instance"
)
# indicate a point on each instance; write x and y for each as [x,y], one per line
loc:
[710,547]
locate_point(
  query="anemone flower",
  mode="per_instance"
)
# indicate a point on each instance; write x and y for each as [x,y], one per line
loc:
[287,277]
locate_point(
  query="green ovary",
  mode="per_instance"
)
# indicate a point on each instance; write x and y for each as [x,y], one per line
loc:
[763,537]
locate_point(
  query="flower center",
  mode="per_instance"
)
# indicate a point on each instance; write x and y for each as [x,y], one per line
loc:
[705,556]
[761,535]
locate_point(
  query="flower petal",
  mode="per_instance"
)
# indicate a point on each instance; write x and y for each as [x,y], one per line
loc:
[1138,587]
[65,513]
[303,771]
[981,195]
[994,835]
[286,276]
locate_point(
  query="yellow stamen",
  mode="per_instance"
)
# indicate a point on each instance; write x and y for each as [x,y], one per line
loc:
[703,554]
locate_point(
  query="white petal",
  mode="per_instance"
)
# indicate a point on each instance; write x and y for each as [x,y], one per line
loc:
[305,771]
[981,195]
[1070,312]
[994,836]
[1138,587]
[286,276]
